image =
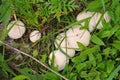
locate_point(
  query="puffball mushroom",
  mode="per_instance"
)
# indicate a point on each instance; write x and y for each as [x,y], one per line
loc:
[93,22]
[95,16]
[84,15]
[61,40]
[17,29]
[76,35]
[107,17]
[35,35]
[60,59]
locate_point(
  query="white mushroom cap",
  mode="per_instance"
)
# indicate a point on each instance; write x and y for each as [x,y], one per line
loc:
[75,30]
[17,29]
[93,22]
[82,36]
[61,40]
[107,17]
[69,51]
[35,35]
[84,15]
[60,59]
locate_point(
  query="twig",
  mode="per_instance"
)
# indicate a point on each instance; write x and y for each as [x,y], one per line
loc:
[15,17]
[34,60]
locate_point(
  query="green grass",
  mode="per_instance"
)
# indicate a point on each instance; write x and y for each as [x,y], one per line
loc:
[98,61]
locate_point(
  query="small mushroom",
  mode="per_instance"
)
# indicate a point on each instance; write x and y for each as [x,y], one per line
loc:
[93,22]
[70,51]
[60,59]
[17,29]
[62,43]
[74,31]
[34,36]
[60,40]
[84,15]
[76,35]
[107,17]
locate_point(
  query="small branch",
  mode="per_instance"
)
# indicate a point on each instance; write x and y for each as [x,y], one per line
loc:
[34,60]
[14,15]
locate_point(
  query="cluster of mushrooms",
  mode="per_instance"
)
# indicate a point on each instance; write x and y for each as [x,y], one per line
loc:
[17,29]
[66,42]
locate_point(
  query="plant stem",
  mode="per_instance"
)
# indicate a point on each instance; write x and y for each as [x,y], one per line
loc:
[15,17]
[34,60]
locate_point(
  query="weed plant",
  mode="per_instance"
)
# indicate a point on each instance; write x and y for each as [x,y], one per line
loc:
[99,61]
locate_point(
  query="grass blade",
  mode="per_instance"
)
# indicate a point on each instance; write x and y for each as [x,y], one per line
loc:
[113,74]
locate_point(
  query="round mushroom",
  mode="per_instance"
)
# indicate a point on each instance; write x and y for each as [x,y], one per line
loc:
[84,15]
[62,43]
[107,17]
[34,36]
[93,22]
[76,35]
[17,29]
[69,51]
[75,30]
[60,59]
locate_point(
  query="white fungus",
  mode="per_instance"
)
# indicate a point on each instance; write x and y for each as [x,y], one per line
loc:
[94,18]
[93,22]
[107,17]
[84,15]
[62,43]
[60,40]
[17,29]
[59,58]
[67,42]
[70,52]
[76,35]
[34,36]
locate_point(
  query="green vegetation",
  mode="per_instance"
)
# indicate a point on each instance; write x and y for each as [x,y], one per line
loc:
[98,61]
